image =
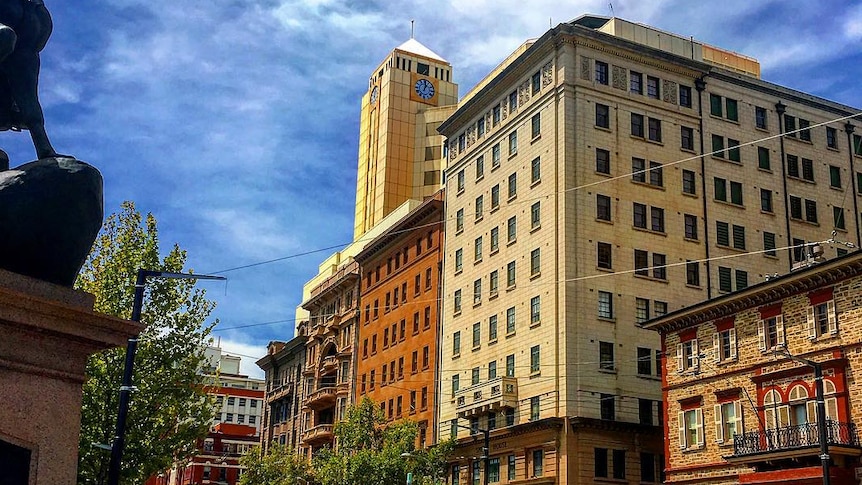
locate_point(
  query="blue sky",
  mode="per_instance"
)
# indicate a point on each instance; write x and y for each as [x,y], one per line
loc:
[235,122]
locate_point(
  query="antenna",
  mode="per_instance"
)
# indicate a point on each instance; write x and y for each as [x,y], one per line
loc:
[411,28]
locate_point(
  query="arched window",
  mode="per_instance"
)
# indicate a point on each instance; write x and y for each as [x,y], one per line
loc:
[802,410]
[776,414]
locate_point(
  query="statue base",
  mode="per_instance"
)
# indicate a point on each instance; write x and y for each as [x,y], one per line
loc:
[51,211]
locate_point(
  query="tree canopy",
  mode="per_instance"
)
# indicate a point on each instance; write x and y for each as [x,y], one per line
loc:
[170,410]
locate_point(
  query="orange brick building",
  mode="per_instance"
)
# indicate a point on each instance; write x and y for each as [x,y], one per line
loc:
[398,334]
[739,386]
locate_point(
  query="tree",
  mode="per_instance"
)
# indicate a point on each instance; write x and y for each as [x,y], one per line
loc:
[170,409]
[279,466]
[370,451]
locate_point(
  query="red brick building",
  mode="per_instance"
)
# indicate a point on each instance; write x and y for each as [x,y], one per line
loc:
[739,386]
[398,332]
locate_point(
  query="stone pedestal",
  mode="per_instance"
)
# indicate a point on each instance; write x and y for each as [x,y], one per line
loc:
[46,334]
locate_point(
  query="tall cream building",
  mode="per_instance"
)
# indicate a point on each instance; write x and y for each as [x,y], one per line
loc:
[400,151]
[606,173]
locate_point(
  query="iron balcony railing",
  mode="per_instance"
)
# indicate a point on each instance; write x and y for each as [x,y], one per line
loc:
[794,437]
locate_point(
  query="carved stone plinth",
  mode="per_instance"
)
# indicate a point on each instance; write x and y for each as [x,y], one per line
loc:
[47,333]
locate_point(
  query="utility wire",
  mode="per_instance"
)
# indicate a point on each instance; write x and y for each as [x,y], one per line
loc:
[528,200]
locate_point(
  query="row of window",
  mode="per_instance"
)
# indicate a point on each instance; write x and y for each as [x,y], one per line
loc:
[399,259]
[240,418]
[644,127]
[612,464]
[394,407]
[368,381]
[636,85]
[241,401]
[396,297]
[511,194]
[535,467]
[395,334]
[494,238]
[493,278]
[821,321]
[510,104]
[535,320]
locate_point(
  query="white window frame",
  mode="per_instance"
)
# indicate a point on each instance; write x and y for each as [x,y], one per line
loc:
[831,323]
[684,429]
[721,424]
[684,362]
[779,333]
[717,347]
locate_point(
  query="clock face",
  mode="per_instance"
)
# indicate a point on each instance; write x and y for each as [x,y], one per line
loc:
[424,89]
[374,94]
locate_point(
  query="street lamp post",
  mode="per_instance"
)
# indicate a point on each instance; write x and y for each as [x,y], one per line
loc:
[821,411]
[131,347]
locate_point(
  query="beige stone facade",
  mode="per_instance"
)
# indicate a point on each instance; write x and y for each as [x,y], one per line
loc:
[591,187]
[400,151]
[739,409]
[283,365]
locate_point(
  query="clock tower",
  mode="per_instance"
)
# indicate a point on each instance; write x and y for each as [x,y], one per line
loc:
[400,152]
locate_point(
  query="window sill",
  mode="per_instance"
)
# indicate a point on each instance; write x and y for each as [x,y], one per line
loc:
[837,189]
[535,183]
[691,240]
[512,334]
[535,374]
[763,129]
[603,174]
[480,178]
[459,231]
[458,271]
[513,155]
[797,138]
[602,128]
[648,184]
[800,179]
[459,192]
[693,196]
[493,295]
[607,371]
[649,377]
[731,248]
[513,241]
[494,251]
[651,231]
[604,270]
[478,219]
[495,166]
[536,138]
[607,319]
[603,221]
[767,213]
[492,341]
[536,324]
[803,221]
[688,150]
[511,198]
[475,348]
[457,313]
[494,209]
[652,278]
[730,204]
[834,149]
[477,261]
[477,304]
[535,275]
[511,287]
[536,228]
[656,142]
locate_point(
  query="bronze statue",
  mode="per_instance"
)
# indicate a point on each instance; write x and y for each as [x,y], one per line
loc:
[25,26]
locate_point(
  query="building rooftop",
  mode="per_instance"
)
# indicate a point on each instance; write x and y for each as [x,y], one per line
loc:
[413,46]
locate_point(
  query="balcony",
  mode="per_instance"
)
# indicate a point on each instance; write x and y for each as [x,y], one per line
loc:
[322,398]
[318,434]
[278,390]
[329,365]
[492,395]
[794,441]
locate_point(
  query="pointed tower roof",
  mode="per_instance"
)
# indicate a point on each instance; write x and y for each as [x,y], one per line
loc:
[413,46]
